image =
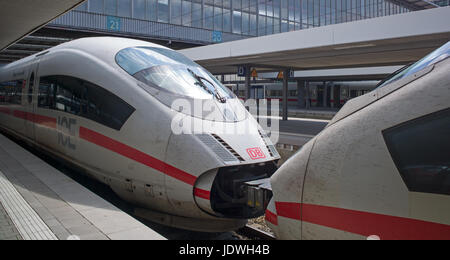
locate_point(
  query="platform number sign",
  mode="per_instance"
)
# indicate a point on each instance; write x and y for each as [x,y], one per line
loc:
[114,23]
[242,71]
[216,36]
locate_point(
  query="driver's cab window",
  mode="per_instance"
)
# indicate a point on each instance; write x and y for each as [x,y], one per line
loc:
[420,149]
[169,71]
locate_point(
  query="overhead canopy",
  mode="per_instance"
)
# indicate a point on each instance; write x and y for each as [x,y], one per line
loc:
[415,4]
[351,74]
[19,18]
[383,41]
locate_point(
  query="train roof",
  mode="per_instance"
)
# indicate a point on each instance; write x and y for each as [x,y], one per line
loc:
[104,48]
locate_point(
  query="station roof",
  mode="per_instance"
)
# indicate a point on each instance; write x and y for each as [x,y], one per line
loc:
[19,18]
[415,4]
[383,41]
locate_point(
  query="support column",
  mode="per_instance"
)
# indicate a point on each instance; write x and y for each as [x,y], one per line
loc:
[308,96]
[285,94]
[247,82]
[325,94]
[301,93]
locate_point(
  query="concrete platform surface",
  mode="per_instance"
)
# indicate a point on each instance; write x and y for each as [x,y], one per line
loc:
[37,202]
[314,113]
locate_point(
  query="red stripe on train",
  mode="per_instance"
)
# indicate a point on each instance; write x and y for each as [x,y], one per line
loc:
[271,217]
[138,156]
[289,210]
[204,194]
[143,158]
[35,118]
[364,223]
[117,147]
[5,110]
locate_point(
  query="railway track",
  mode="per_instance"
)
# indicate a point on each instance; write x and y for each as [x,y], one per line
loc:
[254,233]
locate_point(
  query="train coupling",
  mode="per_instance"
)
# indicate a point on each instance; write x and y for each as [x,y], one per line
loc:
[259,193]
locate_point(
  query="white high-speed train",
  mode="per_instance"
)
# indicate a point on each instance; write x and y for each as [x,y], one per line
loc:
[380,169]
[106,105]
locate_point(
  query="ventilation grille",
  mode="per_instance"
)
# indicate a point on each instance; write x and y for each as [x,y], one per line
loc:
[220,148]
[231,150]
[271,148]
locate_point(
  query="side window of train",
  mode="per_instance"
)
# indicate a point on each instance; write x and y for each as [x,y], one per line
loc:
[11,92]
[30,88]
[46,95]
[421,151]
[82,98]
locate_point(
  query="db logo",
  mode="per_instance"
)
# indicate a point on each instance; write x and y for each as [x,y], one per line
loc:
[256,153]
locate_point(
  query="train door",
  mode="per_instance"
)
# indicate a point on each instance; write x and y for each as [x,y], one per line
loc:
[320,95]
[30,100]
[328,95]
[337,96]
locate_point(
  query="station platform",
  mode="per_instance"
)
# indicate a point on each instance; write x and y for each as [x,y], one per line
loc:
[38,202]
[312,113]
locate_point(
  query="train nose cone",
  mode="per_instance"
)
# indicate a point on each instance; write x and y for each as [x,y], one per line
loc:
[206,109]
[240,192]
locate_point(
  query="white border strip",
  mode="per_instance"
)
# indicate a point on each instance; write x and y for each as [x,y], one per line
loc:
[26,220]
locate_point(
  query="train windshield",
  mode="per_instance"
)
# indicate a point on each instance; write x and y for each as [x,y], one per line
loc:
[432,58]
[170,71]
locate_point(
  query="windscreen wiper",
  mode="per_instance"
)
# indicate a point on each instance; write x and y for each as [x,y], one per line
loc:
[200,80]
[393,75]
